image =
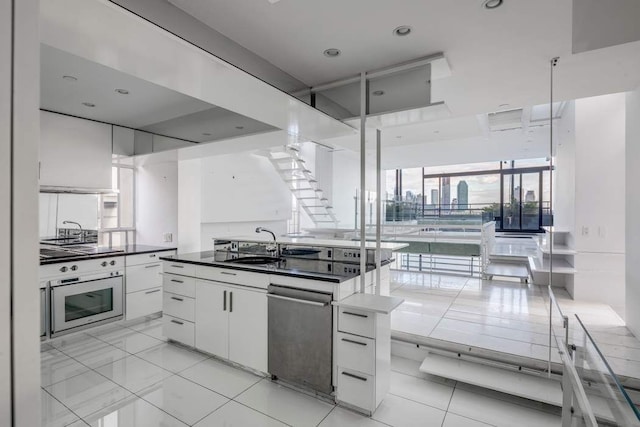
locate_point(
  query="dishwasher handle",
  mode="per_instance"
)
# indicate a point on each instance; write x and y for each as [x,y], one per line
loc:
[301,301]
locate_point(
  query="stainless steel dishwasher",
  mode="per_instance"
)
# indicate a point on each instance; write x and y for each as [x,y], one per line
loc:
[300,337]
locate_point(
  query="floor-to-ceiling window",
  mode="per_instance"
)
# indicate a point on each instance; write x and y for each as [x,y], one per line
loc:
[513,193]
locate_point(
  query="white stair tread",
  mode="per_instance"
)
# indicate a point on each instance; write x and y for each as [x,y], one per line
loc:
[507,270]
[560,266]
[539,389]
[517,384]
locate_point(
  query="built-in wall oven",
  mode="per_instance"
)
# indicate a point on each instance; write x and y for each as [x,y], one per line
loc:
[79,301]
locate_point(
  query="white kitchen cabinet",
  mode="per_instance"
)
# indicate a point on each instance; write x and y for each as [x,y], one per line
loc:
[248,334]
[145,276]
[212,318]
[231,322]
[74,152]
[143,284]
[143,303]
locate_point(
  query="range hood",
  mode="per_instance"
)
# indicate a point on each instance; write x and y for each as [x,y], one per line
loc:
[76,190]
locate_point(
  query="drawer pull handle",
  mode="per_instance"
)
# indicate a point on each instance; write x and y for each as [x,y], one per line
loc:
[177,322]
[355,314]
[152,255]
[152,266]
[224,301]
[177,281]
[152,292]
[177,299]
[230,302]
[354,342]
[347,374]
[227,273]
[177,266]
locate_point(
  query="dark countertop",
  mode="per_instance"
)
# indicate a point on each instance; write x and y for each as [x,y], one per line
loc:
[121,251]
[288,266]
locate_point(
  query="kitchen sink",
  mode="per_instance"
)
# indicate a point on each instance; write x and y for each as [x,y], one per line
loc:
[254,260]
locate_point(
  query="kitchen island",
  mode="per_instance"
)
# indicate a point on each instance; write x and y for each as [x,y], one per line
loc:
[283,316]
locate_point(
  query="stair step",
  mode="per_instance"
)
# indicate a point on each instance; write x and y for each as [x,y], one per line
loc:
[303,189]
[505,269]
[531,387]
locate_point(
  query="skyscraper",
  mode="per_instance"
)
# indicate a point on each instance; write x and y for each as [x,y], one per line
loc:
[463,195]
[434,197]
[445,202]
[530,196]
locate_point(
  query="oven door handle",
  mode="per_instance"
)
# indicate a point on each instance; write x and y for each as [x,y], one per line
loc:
[301,301]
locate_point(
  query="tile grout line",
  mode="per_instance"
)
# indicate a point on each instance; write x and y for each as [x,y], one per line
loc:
[69,409]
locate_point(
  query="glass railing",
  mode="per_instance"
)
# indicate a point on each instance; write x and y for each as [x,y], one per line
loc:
[608,398]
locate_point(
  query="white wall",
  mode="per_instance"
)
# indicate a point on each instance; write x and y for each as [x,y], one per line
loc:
[189,205]
[564,176]
[242,187]
[600,199]
[229,195]
[632,195]
[157,202]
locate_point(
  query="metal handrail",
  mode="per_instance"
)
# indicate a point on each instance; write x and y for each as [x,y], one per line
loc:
[571,378]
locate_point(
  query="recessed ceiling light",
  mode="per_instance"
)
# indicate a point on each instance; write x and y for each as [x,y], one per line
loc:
[239,127]
[401,31]
[377,93]
[436,131]
[503,105]
[332,53]
[398,137]
[206,134]
[122,91]
[491,4]
[70,78]
[88,104]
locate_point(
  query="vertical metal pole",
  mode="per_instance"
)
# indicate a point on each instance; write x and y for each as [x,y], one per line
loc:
[553,63]
[378,209]
[363,183]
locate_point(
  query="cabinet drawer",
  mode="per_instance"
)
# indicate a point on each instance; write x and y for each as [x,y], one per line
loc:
[356,352]
[143,303]
[145,276]
[237,277]
[178,330]
[358,322]
[356,388]
[179,285]
[181,268]
[179,306]
[147,258]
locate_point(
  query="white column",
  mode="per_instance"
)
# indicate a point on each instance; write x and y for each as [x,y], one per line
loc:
[19,291]
[632,223]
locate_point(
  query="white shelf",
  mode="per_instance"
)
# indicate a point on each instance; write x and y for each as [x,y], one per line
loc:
[558,250]
[560,266]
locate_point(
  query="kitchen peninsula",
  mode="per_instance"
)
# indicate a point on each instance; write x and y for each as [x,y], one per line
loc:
[291,311]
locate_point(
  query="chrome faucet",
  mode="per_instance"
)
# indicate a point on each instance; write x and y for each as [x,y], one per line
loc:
[270,248]
[76,223]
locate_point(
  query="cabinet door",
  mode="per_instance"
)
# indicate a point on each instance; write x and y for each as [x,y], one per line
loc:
[248,328]
[74,152]
[146,276]
[212,318]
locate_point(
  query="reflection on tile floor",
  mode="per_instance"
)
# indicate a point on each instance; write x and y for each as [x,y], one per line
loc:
[504,316]
[169,385]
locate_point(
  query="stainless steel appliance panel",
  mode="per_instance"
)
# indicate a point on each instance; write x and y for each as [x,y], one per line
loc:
[307,252]
[353,255]
[300,337]
[80,301]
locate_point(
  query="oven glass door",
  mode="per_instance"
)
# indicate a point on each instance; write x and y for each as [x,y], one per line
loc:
[86,302]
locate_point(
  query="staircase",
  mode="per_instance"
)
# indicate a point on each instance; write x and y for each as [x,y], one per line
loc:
[303,186]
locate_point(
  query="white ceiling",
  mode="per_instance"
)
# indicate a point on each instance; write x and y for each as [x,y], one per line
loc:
[496,57]
[148,106]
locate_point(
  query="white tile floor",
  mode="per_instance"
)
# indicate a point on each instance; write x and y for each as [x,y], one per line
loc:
[504,316]
[113,377]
